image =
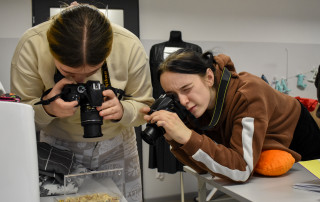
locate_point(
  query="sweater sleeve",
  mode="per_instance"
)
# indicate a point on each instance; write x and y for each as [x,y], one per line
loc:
[25,79]
[184,158]
[138,87]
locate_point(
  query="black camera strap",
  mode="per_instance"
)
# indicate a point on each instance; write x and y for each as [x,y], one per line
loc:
[46,102]
[106,81]
[105,75]
[222,91]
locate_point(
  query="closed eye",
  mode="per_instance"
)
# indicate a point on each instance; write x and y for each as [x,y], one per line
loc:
[186,90]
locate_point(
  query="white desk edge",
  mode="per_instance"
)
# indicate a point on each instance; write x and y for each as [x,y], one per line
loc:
[261,188]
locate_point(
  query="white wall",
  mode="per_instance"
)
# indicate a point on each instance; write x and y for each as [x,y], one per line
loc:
[278,38]
[15,18]
[284,21]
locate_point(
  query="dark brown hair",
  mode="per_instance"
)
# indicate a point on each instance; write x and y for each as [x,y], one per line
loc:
[80,35]
[187,61]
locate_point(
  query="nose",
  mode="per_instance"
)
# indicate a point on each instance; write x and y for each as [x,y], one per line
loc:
[183,100]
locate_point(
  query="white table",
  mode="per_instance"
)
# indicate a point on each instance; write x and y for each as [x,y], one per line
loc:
[260,188]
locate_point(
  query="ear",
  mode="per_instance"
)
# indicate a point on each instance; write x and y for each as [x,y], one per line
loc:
[209,77]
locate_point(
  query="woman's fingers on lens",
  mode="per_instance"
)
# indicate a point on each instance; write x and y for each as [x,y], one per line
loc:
[158,116]
[160,123]
[113,112]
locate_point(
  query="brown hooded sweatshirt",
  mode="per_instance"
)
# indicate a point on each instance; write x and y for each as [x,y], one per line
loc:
[254,117]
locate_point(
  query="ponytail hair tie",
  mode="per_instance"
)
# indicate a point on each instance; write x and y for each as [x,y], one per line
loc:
[208,56]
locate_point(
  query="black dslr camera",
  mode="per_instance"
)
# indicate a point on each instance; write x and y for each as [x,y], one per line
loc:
[89,95]
[164,102]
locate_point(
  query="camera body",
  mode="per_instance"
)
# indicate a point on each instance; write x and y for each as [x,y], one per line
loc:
[89,95]
[165,102]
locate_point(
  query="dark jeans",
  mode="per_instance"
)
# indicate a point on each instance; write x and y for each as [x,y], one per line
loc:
[306,138]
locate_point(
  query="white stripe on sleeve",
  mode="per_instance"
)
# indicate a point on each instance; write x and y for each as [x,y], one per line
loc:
[236,175]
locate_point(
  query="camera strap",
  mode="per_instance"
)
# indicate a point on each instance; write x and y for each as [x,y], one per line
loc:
[222,91]
[106,81]
[46,102]
[105,75]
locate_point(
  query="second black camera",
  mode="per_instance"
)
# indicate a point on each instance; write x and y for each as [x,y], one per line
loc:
[165,102]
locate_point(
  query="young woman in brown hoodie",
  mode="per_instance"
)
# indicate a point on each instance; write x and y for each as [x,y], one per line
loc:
[239,116]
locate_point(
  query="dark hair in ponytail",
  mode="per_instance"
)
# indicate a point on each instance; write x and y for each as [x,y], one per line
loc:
[187,61]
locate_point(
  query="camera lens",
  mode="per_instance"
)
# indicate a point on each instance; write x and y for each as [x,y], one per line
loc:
[92,131]
[152,133]
[91,121]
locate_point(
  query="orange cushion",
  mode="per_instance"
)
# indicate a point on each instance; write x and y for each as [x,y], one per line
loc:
[274,163]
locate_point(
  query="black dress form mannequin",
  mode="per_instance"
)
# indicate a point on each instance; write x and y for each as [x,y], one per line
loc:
[158,53]
[175,39]
[159,154]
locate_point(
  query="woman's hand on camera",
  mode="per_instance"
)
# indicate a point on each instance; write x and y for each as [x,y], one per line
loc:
[59,107]
[174,127]
[111,108]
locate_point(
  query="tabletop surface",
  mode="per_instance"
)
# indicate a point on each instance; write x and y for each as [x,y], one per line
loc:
[262,188]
